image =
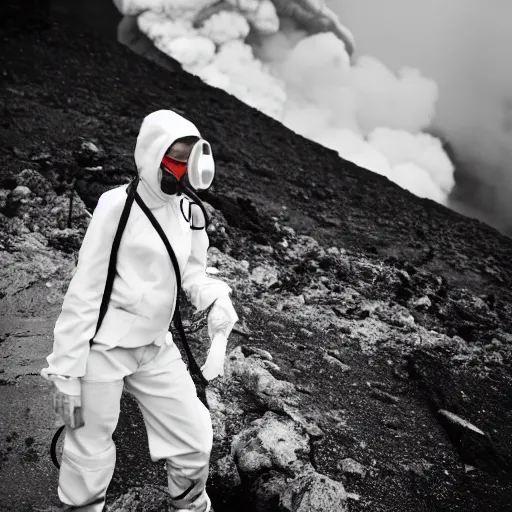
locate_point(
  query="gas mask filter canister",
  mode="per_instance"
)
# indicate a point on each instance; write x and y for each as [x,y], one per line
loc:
[200,167]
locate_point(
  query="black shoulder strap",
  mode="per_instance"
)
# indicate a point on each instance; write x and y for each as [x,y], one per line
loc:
[194,368]
[111,273]
[130,190]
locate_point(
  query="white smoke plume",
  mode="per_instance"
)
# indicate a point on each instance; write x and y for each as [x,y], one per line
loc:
[278,57]
[464,45]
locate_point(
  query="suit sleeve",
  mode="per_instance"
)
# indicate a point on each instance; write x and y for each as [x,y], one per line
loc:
[77,321]
[200,288]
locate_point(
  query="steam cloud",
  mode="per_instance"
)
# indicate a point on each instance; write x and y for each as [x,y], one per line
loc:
[464,45]
[277,57]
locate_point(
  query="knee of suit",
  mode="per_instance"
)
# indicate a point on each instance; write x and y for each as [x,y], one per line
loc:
[87,447]
[86,461]
[206,442]
[201,448]
[204,448]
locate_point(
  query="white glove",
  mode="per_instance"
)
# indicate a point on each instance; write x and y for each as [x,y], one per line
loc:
[221,321]
[214,365]
[69,409]
[221,318]
[67,400]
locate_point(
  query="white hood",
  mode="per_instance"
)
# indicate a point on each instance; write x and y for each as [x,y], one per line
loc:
[157,132]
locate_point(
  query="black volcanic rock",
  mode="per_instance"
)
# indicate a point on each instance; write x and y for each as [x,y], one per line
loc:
[467,404]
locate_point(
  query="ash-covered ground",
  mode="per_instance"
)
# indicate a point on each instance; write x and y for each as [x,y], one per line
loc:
[371,366]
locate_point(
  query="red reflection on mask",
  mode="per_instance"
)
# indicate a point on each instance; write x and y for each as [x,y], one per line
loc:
[177,168]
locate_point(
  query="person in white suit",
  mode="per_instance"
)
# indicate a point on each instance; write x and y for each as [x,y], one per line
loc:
[133,349]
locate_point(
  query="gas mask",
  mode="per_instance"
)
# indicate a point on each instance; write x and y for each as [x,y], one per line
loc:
[197,172]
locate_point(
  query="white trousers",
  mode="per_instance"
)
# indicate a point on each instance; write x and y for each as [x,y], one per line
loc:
[178,426]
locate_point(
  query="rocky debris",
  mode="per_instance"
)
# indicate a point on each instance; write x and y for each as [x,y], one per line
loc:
[421,303]
[266,491]
[335,357]
[303,247]
[336,362]
[273,452]
[65,240]
[260,459]
[291,303]
[148,498]
[14,201]
[467,315]
[304,389]
[234,272]
[40,208]
[90,147]
[257,352]
[475,446]
[89,155]
[450,389]
[468,468]
[400,373]
[29,261]
[392,422]
[266,249]
[352,467]
[272,393]
[265,276]
[4,194]
[270,454]
[313,492]
[270,442]
[395,315]
[338,416]
[334,352]
[378,282]
[217,413]
[271,366]
[306,332]
[453,419]
[227,471]
[309,426]
[34,220]
[419,468]
[383,396]
[241,328]
[276,326]
[20,192]
[35,181]
[218,231]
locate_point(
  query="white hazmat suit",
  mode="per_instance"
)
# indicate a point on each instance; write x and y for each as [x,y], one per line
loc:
[133,348]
